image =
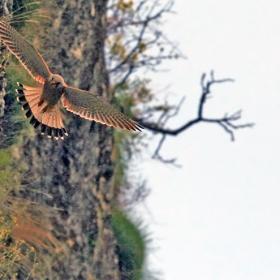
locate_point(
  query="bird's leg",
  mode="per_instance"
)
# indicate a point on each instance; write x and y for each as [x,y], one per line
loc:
[41,101]
[44,110]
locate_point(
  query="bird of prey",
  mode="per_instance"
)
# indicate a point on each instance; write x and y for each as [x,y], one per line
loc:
[42,103]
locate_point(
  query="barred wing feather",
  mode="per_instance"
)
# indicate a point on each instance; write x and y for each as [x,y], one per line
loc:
[24,51]
[91,107]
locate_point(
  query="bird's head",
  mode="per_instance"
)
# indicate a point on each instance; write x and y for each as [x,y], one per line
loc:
[56,81]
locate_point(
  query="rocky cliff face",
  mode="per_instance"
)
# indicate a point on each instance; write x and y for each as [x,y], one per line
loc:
[5,7]
[75,175]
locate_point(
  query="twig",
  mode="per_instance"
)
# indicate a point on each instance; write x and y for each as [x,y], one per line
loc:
[227,122]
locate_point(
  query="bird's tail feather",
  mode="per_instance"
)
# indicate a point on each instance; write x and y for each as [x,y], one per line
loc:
[47,118]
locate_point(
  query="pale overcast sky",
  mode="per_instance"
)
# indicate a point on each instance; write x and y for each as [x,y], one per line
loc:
[218,217]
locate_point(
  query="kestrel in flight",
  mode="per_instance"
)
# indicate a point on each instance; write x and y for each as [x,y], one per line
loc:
[42,103]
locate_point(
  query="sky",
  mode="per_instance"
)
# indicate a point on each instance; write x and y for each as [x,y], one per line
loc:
[218,217]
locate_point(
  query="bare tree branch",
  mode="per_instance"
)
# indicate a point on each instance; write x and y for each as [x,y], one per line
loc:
[226,122]
[140,27]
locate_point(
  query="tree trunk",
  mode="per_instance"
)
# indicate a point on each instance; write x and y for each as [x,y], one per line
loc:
[76,173]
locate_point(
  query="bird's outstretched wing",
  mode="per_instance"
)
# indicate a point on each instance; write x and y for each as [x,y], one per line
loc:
[24,51]
[91,107]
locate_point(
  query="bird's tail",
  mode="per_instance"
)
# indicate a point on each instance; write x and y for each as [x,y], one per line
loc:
[47,118]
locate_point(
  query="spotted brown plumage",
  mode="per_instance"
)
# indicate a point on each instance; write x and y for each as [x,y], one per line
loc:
[42,104]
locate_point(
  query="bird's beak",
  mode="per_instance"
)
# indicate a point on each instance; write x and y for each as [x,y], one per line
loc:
[53,82]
